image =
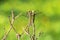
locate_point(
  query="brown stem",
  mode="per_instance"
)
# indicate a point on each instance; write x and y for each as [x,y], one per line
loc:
[18,36]
[5,36]
[11,26]
[31,23]
[33,19]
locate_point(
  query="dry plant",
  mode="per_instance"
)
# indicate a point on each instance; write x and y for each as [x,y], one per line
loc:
[31,15]
[31,23]
[11,26]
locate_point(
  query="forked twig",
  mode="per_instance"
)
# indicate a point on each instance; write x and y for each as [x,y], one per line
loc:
[31,23]
[11,26]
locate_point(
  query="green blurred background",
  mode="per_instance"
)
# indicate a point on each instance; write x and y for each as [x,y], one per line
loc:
[47,19]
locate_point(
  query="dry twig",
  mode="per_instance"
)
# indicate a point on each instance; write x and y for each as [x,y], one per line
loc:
[11,25]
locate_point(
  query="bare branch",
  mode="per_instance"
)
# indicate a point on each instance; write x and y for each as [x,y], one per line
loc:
[13,17]
[18,16]
[24,29]
[5,36]
[31,23]
[12,21]
[11,26]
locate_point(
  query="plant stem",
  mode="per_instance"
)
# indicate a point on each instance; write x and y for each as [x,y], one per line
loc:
[11,26]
